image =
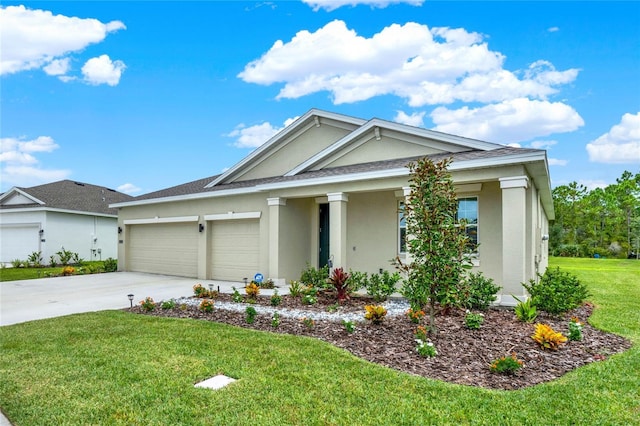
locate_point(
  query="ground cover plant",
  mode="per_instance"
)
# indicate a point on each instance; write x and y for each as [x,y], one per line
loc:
[118,368]
[34,272]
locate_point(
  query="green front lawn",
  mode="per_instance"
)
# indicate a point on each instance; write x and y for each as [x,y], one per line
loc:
[17,274]
[122,369]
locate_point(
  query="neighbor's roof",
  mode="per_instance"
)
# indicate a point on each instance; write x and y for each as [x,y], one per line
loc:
[65,195]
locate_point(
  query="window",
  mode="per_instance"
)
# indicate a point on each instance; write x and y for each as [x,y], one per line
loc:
[468,211]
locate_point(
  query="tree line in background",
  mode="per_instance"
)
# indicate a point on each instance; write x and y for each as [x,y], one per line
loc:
[600,222]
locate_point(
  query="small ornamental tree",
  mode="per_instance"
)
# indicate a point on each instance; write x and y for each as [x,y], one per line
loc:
[436,242]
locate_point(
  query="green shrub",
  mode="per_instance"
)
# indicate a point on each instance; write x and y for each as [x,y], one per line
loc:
[478,291]
[473,321]
[557,292]
[506,364]
[251,314]
[168,304]
[111,265]
[526,311]
[381,286]
[148,304]
[35,259]
[295,289]
[276,299]
[315,277]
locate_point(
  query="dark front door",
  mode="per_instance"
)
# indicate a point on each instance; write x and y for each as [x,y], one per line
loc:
[323,249]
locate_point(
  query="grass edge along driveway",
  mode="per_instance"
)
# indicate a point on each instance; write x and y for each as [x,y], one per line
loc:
[113,368]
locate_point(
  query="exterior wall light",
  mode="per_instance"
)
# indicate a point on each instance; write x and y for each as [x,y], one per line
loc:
[41,232]
[200,227]
[119,230]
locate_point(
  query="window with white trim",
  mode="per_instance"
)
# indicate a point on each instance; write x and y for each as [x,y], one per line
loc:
[468,212]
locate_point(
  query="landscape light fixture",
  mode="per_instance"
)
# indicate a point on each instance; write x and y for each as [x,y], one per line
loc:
[245,281]
[130,296]
[211,288]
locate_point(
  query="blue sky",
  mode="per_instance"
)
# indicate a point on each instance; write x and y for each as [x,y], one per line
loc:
[140,96]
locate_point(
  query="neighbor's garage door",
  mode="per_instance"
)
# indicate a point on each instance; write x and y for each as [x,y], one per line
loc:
[18,242]
[235,249]
[167,248]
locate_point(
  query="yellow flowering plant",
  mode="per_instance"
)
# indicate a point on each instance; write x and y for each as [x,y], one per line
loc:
[547,337]
[375,313]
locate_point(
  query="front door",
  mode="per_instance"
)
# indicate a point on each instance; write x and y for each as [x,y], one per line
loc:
[323,236]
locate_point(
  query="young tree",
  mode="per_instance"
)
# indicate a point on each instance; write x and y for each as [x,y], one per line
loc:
[436,243]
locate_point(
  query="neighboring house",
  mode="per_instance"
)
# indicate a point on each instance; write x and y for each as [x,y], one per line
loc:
[331,187]
[67,214]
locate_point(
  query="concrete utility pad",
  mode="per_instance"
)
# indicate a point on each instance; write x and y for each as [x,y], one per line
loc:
[216,382]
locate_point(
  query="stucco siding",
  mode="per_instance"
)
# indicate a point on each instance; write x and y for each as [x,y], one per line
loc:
[490,231]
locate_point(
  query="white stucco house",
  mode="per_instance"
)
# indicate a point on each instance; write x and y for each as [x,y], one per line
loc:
[331,186]
[68,214]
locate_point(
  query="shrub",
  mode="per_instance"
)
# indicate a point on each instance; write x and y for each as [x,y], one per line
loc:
[65,256]
[68,270]
[268,284]
[375,313]
[52,261]
[35,259]
[473,321]
[349,326]
[168,304]
[315,277]
[276,299]
[575,329]
[381,286]
[557,292]
[236,296]
[339,279]
[206,305]
[309,295]
[275,320]
[357,280]
[252,291]
[295,289]
[17,263]
[426,348]
[478,291]
[421,333]
[548,338]
[110,265]
[506,364]
[415,315]
[251,314]
[199,291]
[308,322]
[148,304]
[526,311]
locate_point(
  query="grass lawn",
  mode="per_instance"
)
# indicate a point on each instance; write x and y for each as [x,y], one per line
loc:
[16,274]
[114,368]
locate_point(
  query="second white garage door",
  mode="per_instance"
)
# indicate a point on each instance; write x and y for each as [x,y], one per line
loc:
[235,249]
[167,248]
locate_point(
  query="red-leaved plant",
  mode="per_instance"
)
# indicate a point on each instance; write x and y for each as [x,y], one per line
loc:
[339,280]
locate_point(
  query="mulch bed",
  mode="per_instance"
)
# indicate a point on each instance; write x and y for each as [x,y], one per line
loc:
[463,356]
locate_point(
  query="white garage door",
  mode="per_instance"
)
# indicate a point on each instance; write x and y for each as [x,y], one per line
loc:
[18,242]
[235,249]
[167,248]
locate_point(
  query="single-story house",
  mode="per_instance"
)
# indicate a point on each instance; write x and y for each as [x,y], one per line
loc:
[331,187]
[65,214]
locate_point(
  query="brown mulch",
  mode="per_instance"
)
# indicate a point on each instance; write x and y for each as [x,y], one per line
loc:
[463,356]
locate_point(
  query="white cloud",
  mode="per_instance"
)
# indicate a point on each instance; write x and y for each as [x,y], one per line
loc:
[416,119]
[254,136]
[425,66]
[129,188]
[621,145]
[553,29]
[510,121]
[33,39]
[330,5]
[58,67]
[21,168]
[593,184]
[102,70]
[542,144]
[557,162]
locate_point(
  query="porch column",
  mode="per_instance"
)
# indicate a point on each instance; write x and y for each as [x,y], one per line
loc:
[406,190]
[338,228]
[514,250]
[275,206]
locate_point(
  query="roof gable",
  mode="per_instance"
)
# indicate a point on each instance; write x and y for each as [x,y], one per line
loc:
[379,140]
[17,197]
[311,133]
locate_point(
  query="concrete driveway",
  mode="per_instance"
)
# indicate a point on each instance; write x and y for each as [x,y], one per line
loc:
[28,300]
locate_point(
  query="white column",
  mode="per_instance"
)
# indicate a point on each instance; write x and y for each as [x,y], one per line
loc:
[275,204]
[514,238]
[406,190]
[338,228]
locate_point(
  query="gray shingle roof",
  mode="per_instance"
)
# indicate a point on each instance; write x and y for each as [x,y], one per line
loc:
[198,186]
[76,196]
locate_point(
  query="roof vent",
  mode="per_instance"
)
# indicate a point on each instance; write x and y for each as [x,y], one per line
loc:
[79,183]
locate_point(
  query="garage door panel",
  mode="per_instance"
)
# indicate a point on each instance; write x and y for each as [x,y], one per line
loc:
[235,249]
[18,242]
[170,249]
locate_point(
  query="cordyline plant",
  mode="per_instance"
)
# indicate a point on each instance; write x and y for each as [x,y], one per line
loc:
[436,242]
[339,279]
